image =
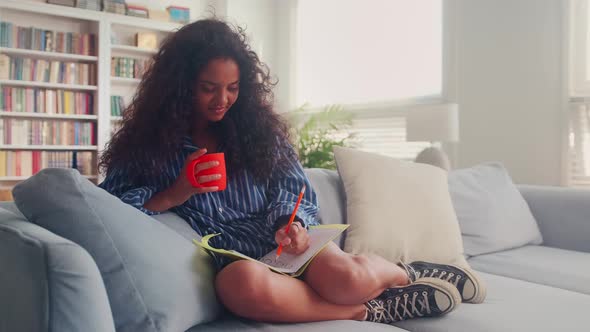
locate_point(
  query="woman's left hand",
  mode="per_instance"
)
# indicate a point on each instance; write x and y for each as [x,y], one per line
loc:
[296,241]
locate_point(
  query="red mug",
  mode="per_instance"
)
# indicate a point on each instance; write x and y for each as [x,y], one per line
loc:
[192,176]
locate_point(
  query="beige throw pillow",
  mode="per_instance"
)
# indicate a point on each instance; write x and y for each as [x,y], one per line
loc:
[399,210]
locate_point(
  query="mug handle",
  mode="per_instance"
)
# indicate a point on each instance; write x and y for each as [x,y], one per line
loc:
[190,174]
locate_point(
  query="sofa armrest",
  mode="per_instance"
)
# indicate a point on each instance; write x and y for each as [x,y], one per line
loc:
[563,215]
[48,283]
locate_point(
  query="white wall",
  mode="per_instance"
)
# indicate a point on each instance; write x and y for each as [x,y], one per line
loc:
[269,25]
[259,19]
[509,86]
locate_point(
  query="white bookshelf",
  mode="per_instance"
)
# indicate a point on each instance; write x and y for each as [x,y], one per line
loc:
[29,115]
[49,147]
[141,23]
[125,80]
[86,15]
[114,37]
[21,178]
[47,55]
[35,84]
[127,49]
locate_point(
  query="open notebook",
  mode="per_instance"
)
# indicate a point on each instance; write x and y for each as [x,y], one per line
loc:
[292,265]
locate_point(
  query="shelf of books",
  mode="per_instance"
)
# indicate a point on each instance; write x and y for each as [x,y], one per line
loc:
[66,76]
[132,50]
[48,94]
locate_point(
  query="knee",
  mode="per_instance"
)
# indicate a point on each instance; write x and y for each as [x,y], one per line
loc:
[355,272]
[242,284]
[363,272]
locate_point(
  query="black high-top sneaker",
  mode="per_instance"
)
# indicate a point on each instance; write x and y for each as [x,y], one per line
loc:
[471,288]
[427,297]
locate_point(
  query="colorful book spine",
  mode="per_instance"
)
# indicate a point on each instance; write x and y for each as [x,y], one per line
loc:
[47,132]
[50,71]
[31,38]
[28,163]
[117,106]
[39,100]
[128,67]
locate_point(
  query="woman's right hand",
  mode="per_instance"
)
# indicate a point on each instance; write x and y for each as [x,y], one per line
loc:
[181,190]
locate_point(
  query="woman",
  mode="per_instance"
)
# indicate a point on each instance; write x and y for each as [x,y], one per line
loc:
[207,91]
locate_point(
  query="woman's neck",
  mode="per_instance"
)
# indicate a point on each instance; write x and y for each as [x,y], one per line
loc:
[205,137]
[201,125]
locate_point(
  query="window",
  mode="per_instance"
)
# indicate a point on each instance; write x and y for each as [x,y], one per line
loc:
[579,92]
[386,135]
[579,142]
[579,48]
[366,55]
[351,52]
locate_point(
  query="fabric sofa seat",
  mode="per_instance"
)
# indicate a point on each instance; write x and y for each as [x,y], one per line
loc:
[554,267]
[513,305]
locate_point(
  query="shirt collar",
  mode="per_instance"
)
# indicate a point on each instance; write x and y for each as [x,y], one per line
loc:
[187,143]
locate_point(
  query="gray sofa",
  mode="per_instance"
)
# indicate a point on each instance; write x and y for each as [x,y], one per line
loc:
[531,288]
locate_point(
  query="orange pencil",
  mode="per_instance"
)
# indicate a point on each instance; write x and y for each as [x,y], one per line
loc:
[280,249]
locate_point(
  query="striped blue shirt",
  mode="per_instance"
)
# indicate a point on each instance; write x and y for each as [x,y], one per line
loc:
[244,213]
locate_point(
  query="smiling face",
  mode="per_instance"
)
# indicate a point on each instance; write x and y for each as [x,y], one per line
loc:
[216,90]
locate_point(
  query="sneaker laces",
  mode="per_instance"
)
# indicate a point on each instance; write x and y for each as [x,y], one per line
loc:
[403,308]
[441,275]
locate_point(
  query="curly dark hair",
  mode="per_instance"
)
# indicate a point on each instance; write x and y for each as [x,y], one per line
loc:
[162,109]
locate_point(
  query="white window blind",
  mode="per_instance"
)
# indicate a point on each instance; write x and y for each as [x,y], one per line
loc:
[366,54]
[386,135]
[351,51]
[579,90]
[579,142]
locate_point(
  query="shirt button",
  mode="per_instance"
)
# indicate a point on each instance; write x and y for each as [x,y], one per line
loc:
[220,210]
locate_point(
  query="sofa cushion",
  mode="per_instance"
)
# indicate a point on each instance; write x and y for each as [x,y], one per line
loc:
[543,265]
[399,210]
[11,207]
[178,225]
[513,305]
[331,198]
[562,213]
[48,283]
[330,192]
[492,213]
[156,280]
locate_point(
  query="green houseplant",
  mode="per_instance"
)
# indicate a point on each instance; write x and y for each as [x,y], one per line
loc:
[317,133]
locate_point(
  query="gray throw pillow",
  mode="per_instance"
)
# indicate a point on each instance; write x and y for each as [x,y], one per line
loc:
[330,192]
[331,198]
[156,280]
[492,213]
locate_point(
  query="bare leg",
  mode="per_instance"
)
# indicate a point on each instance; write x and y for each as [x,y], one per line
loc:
[343,278]
[250,290]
